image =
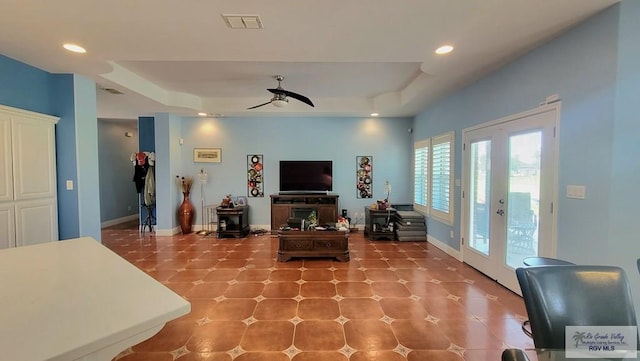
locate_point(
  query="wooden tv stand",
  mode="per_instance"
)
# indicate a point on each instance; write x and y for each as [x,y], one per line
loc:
[285,206]
[313,244]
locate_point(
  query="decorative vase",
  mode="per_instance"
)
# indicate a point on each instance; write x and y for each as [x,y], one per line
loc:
[185,214]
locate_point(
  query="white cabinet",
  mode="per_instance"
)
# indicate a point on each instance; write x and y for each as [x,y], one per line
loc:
[34,161]
[6,177]
[28,199]
[7,226]
[36,221]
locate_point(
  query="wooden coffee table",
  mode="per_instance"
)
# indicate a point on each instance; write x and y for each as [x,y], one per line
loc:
[313,244]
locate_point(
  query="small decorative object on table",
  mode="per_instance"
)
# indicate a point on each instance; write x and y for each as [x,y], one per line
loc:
[313,220]
[227,202]
[382,205]
[185,211]
[342,224]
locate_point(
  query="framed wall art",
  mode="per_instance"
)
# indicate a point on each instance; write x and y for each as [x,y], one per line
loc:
[364,176]
[255,177]
[207,155]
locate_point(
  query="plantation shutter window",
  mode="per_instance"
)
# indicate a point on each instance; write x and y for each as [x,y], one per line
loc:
[442,177]
[421,175]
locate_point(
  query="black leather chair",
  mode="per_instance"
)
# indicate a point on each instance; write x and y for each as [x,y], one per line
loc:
[540,261]
[574,295]
[545,261]
[514,354]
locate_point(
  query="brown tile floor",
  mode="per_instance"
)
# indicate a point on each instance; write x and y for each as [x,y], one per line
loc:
[392,301]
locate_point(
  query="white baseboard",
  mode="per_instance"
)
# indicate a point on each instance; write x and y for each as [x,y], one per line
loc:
[167,232]
[445,247]
[266,227]
[176,230]
[113,222]
[214,228]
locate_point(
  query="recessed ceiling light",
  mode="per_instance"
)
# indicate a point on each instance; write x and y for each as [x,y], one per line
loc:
[74,48]
[374,114]
[445,49]
[203,114]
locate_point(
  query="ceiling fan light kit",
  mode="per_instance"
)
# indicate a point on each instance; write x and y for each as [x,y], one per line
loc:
[280,96]
[280,103]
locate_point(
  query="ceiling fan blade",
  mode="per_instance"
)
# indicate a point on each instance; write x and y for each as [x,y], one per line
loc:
[258,106]
[296,96]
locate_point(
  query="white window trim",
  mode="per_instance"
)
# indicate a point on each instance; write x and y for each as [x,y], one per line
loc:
[444,217]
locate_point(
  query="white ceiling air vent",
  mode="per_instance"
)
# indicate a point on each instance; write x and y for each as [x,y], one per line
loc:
[112,91]
[235,21]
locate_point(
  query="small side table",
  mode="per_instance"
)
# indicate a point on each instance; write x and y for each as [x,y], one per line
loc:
[380,224]
[233,222]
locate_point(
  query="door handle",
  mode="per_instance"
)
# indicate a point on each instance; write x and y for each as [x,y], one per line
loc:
[500,212]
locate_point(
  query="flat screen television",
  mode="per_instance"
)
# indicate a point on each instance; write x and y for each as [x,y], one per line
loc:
[306,176]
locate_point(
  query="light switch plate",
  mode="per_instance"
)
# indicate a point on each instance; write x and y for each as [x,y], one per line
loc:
[576,191]
[69,185]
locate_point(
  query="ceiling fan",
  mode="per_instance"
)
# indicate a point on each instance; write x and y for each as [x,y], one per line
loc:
[280,96]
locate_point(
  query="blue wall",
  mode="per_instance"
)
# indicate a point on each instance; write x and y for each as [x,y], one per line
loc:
[66,152]
[72,98]
[168,155]
[118,197]
[623,241]
[86,130]
[594,68]
[292,138]
[580,67]
[146,137]
[23,86]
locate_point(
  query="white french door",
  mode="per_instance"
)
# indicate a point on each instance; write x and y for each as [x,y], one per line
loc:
[509,177]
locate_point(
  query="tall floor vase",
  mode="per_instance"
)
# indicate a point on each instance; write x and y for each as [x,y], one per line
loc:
[185,214]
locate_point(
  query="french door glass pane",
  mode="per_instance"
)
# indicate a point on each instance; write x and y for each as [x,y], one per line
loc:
[524,197]
[480,196]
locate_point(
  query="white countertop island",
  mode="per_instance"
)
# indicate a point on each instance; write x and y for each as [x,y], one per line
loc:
[77,300]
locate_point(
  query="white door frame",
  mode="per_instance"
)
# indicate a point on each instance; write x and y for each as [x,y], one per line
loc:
[549,251]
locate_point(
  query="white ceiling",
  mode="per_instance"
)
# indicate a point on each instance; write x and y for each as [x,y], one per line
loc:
[350,57]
